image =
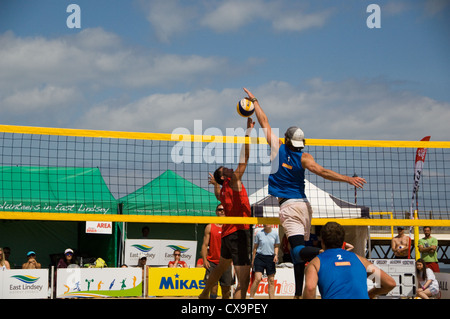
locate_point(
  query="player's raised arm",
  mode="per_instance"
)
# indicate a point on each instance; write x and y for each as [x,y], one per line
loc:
[263,121]
[244,156]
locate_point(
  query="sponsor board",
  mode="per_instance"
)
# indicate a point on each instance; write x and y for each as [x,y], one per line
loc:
[24,284]
[99,282]
[443,279]
[98,227]
[175,281]
[159,252]
[284,284]
[403,271]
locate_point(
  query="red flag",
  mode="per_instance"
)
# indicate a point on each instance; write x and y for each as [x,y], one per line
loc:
[418,166]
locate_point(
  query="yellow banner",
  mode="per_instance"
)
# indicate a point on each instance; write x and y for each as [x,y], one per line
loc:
[175,281]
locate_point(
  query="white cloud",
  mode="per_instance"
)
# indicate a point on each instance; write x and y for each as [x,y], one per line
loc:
[299,21]
[95,56]
[351,109]
[38,73]
[48,99]
[165,112]
[173,17]
[232,15]
[355,109]
[434,7]
[169,17]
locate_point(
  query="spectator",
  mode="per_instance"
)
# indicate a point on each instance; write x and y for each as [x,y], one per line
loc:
[428,285]
[142,263]
[199,263]
[4,264]
[428,250]
[68,261]
[145,231]
[265,257]
[177,262]
[31,262]
[7,252]
[347,246]
[400,244]
[342,274]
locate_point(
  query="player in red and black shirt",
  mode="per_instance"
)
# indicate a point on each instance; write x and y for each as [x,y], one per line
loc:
[235,246]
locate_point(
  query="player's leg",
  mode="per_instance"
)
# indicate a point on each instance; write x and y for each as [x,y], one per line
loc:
[296,221]
[241,261]
[215,276]
[224,263]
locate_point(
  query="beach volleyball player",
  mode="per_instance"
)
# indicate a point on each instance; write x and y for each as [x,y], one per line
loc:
[287,183]
[235,245]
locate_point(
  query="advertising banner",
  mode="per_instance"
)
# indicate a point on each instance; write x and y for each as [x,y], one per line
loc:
[159,252]
[175,281]
[24,284]
[99,227]
[284,284]
[443,279]
[99,282]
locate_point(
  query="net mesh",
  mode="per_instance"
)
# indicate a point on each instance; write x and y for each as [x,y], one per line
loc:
[165,175]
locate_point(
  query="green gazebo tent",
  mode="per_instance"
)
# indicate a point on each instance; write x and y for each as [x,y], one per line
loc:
[55,190]
[170,194]
[39,190]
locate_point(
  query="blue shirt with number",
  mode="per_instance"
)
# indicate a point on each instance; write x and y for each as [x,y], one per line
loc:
[341,275]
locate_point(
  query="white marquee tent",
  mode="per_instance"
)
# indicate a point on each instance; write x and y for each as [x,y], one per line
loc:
[324,205]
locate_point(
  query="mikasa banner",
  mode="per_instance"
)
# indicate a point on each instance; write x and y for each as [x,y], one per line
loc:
[159,251]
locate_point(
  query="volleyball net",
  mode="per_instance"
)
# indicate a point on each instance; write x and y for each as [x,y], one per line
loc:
[82,175]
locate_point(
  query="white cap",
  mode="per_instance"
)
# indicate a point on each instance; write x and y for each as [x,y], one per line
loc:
[296,135]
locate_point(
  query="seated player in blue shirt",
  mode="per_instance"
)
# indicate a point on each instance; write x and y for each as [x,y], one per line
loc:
[342,274]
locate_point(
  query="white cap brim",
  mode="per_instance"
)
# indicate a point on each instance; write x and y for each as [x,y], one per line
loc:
[297,143]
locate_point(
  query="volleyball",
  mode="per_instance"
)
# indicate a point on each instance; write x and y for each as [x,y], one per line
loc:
[245,108]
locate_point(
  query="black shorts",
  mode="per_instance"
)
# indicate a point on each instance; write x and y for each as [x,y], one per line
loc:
[227,277]
[264,262]
[236,246]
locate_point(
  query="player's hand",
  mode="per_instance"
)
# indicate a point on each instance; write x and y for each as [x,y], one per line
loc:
[211,179]
[357,181]
[250,95]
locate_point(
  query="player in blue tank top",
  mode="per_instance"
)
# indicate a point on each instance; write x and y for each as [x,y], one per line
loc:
[287,183]
[342,274]
[289,179]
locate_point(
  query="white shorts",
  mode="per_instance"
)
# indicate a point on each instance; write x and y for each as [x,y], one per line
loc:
[295,217]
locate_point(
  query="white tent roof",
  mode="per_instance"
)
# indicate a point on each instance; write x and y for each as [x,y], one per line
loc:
[324,204]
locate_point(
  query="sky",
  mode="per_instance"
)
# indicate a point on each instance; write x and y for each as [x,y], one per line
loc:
[157,66]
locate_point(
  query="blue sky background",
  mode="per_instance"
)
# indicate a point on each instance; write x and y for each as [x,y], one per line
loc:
[155,66]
